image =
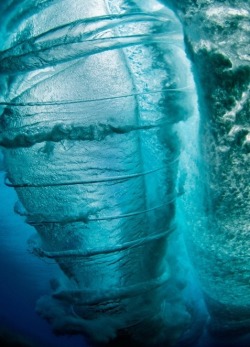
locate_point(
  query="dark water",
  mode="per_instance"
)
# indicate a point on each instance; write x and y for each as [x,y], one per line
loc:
[24,278]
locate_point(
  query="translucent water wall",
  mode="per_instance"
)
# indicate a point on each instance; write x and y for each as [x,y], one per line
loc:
[92,94]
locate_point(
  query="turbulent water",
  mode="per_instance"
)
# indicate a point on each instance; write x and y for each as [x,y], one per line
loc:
[219,245]
[120,173]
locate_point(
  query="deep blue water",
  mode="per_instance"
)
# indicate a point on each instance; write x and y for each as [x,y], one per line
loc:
[24,278]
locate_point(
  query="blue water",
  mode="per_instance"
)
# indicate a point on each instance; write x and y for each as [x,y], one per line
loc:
[24,278]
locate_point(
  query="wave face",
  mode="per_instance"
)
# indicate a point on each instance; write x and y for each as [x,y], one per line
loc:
[92,93]
[219,233]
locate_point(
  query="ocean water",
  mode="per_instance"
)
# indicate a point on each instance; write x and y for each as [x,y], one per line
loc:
[24,278]
[117,233]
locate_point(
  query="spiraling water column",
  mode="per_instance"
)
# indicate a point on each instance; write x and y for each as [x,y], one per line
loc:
[92,92]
